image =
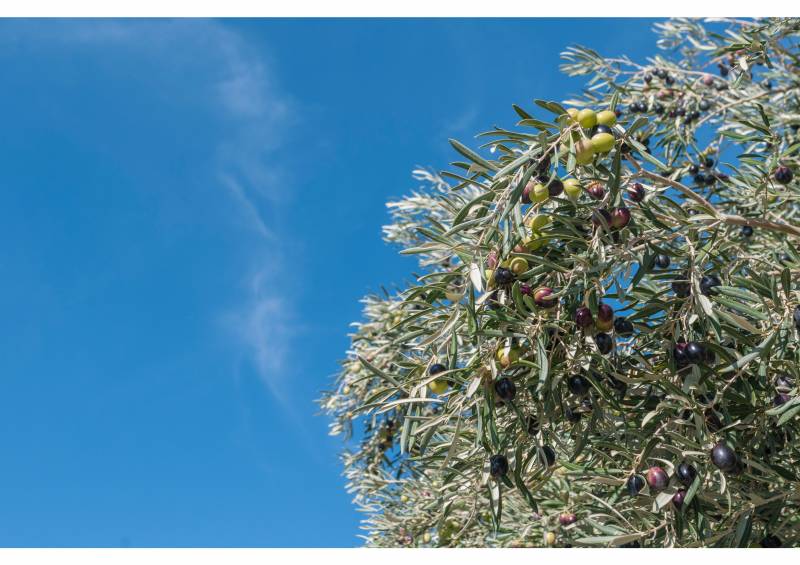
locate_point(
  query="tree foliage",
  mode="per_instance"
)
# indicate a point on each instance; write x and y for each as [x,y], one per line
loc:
[589,327]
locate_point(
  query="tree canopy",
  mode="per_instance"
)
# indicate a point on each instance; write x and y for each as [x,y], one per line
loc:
[600,347]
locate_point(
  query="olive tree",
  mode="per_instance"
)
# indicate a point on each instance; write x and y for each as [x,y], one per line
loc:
[600,347]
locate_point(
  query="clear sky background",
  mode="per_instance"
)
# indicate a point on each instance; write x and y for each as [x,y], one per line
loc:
[189,213]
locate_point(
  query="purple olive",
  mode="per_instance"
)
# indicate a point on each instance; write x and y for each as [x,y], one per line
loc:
[567,518]
[583,317]
[657,478]
[601,217]
[677,498]
[596,190]
[543,298]
[636,192]
[620,217]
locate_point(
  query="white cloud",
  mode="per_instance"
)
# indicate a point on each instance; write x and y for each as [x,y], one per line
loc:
[249,209]
[465,120]
[460,124]
[246,91]
[239,86]
[265,327]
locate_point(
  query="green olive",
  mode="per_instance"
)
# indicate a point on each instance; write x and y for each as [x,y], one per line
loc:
[572,188]
[539,221]
[587,118]
[535,242]
[604,325]
[573,113]
[438,386]
[584,152]
[507,356]
[540,193]
[606,118]
[519,265]
[602,142]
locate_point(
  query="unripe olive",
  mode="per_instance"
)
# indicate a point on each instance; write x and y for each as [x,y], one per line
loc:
[539,221]
[549,538]
[587,118]
[535,242]
[572,188]
[606,118]
[519,265]
[508,356]
[540,193]
[439,386]
[602,142]
[573,114]
[584,152]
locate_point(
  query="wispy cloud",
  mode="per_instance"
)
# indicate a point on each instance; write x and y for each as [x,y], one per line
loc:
[460,124]
[265,327]
[262,322]
[238,86]
[249,209]
[246,91]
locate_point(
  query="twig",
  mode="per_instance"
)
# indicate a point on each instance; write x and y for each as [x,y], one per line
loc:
[731,219]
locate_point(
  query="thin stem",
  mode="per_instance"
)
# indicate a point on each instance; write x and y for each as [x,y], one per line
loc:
[731,219]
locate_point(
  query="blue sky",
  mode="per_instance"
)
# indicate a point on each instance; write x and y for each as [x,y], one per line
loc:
[190,213]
